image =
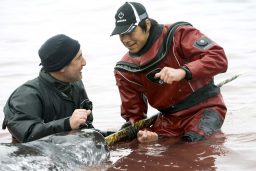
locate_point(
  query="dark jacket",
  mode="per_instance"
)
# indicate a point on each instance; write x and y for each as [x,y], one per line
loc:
[42,107]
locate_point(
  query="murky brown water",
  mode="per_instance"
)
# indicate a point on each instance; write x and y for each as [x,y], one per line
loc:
[25,24]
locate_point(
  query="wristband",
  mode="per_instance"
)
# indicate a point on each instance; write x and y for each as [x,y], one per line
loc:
[188,75]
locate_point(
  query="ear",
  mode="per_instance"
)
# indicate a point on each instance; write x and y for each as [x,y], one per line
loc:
[62,70]
[148,24]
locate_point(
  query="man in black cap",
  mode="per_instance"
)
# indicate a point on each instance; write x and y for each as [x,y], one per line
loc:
[56,100]
[170,67]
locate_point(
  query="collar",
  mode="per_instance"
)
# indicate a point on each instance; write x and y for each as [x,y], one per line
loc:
[63,87]
[155,32]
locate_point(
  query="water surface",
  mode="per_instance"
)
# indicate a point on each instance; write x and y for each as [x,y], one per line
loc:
[26,24]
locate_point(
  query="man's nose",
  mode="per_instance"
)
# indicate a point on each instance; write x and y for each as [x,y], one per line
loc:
[83,61]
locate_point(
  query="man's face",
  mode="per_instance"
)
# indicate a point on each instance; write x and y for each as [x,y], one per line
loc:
[135,40]
[73,71]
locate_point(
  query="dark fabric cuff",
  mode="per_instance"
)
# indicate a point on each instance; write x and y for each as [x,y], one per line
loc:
[67,126]
[188,75]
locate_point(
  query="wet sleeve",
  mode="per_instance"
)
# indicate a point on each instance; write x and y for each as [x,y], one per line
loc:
[202,56]
[23,112]
[133,102]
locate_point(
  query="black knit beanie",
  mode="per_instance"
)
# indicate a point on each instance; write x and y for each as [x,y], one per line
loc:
[57,52]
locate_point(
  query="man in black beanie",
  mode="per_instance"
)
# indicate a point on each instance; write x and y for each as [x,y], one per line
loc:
[56,100]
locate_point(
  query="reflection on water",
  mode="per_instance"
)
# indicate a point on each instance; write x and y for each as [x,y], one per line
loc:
[214,154]
[25,24]
[172,154]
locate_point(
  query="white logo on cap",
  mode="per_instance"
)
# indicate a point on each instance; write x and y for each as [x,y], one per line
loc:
[120,16]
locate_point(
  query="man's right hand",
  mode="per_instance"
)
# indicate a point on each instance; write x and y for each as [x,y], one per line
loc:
[145,136]
[79,117]
[169,75]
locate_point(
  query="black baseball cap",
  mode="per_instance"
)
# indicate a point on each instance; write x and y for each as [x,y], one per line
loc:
[128,17]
